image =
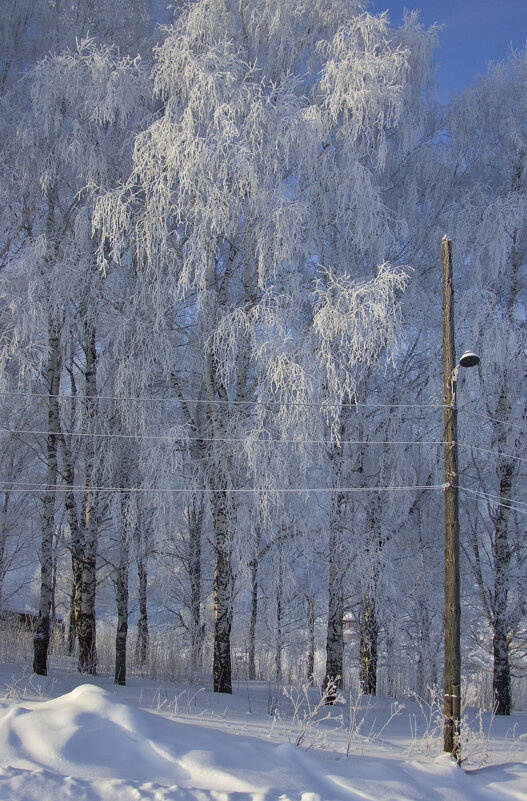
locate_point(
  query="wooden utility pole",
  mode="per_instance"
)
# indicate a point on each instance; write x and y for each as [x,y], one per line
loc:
[452,670]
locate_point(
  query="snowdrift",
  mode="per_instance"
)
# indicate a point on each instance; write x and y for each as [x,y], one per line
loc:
[89,745]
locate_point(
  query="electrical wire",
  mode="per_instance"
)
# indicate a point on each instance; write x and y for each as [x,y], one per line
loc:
[177,438]
[231,440]
[22,486]
[492,419]
[19,486]
[499,500]
[309,404]
[469,446]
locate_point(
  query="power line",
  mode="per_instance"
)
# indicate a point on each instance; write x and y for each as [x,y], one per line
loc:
[21,486]
[258,402]
[232,440]
[492,419]
[513,505]
[177,438]
[493,453]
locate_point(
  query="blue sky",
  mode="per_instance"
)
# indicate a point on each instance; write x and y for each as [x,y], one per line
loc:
[474,33]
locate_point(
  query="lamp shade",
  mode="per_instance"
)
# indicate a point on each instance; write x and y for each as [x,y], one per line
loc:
[468,359]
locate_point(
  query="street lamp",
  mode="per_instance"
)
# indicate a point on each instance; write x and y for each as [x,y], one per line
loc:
[452,668]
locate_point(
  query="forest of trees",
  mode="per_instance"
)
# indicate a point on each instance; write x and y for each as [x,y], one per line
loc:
[220,353]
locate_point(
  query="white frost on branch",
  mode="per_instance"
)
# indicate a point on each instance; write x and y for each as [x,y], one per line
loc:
[353,322]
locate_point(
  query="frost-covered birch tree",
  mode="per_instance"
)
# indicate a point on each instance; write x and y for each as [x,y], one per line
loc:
[263,164]
[32,29]
[70,140]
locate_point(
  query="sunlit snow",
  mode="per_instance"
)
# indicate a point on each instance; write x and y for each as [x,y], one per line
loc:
[148,742]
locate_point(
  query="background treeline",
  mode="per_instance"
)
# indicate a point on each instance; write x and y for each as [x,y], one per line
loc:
[220,341]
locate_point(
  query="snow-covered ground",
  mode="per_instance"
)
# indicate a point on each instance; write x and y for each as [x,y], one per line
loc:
[70,737]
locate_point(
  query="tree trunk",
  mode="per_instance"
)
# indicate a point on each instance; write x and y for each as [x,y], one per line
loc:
[195,519]
[121,593]
[501,680]
[223,592]
[423,649]
[310,668]
[3,538]
[279,631]
[87,627]
[369,634]
[390,665]
[254,565]
[42,635]
[71,636]
[122,625]
[254,618]
[141,652]
[368,623]
[335,630]
[77,544]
